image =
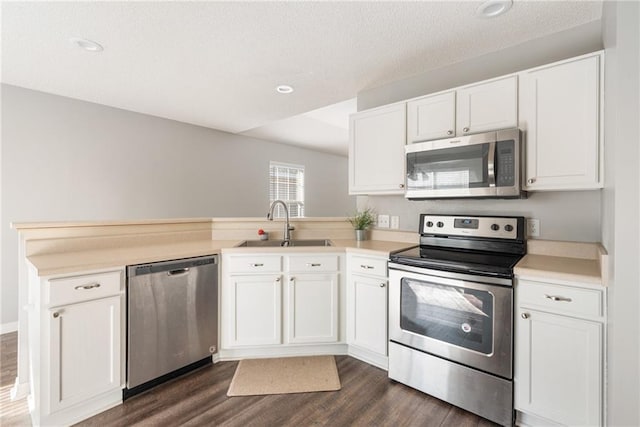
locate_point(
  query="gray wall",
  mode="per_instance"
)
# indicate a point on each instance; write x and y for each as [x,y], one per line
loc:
[621,208]
[555,47]
[573,216]
[64,159]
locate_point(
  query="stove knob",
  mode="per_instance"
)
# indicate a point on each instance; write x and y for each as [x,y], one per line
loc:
[429,224]
[508,227]
[440,224]
[495,227]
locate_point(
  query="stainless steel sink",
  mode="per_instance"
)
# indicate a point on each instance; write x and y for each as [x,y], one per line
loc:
[277,243]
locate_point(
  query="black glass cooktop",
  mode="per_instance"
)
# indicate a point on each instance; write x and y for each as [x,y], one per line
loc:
[472,262]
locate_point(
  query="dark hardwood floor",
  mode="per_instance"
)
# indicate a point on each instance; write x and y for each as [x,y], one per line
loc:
[367,398]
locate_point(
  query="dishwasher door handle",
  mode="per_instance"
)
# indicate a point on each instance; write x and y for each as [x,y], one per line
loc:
[178,272]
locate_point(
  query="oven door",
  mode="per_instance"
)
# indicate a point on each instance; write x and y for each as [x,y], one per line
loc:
[457,319]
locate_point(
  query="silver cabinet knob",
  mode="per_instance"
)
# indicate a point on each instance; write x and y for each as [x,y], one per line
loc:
[401,185]
[56,314]
[382,285]
[277,279]
[531,181]
[449,132]
[525,315]
[465,129]
[291,279]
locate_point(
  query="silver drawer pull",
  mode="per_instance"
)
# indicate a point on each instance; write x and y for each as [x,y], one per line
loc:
[56,314]
[557,298]
[382,285]
[313,265]
[277,279]
[256,265]
[366,267]
[90,286]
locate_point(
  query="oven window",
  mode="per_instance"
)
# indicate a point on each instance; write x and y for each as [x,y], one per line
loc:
[455,315]
[448,168]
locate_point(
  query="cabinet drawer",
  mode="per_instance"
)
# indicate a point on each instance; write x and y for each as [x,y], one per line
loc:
[370,266]
[313,263]
[255,263]
[84,288]
[561,299]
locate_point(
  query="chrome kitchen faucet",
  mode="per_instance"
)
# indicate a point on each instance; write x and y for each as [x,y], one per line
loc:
[288,228]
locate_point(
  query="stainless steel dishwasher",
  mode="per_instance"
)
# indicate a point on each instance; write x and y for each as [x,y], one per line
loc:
[172,319]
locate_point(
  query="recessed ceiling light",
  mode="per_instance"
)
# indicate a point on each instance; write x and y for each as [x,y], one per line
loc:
[493,8]
[284,89]
[86,44]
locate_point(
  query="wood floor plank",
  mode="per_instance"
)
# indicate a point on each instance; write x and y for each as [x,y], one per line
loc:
[367,398]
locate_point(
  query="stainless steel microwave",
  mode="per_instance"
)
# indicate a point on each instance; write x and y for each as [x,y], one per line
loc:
[482,166]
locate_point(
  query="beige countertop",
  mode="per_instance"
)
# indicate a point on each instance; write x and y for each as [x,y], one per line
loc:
[569,262]
[71,262]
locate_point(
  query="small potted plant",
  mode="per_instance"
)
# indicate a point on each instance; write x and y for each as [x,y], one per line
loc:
[361,221]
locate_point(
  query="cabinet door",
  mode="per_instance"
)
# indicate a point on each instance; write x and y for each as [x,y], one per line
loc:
[368,313]
[431,117]
[559,368]
[487,106]
[255,312]
[84,351]
[312,308]
[560,113]
[376,151]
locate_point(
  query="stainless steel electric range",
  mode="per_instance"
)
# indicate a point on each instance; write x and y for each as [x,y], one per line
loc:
[451,312]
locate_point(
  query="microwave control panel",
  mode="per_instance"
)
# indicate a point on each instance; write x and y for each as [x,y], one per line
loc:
[506,167]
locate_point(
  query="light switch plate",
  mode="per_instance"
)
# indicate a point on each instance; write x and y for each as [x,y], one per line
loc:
[383,221]
[395,222]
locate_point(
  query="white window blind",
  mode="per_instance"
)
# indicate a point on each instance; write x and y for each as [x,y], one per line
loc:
[286,183]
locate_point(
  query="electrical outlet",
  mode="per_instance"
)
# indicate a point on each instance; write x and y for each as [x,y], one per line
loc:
[395,222]
[383,221]
[533,227]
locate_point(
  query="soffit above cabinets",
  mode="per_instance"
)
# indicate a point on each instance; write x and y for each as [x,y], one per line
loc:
[217,64]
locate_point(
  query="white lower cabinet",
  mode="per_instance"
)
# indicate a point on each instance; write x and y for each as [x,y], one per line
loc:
[312,308]
[367,309]
[84,350]
[255,310]
[277,301]
[559,366]
[77,352]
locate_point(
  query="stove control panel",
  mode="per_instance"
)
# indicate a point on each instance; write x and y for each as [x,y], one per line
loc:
[474,226]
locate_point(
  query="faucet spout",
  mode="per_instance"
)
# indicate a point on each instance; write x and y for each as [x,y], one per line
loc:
[287,227]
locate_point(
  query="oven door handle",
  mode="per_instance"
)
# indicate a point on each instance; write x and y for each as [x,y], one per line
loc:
[491,164]
[449,275]
[489,273]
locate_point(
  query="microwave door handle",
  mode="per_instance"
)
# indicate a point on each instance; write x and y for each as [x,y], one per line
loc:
[491,164]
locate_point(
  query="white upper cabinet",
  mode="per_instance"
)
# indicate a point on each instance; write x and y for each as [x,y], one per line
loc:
[487,106]
[471,109]
[376,150]
[560,112]
[431,117]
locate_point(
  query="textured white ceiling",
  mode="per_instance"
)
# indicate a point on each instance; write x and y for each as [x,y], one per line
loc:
[216,64]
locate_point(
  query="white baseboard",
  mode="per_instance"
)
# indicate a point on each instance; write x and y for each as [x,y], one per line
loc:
[5,328]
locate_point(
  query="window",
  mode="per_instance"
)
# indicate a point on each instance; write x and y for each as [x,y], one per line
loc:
[286,183]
